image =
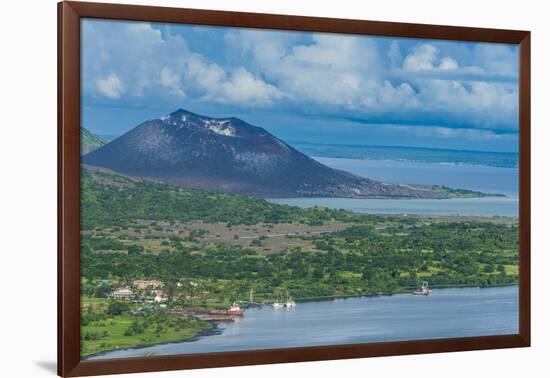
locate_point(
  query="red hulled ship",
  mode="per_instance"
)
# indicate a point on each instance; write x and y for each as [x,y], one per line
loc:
[233,310]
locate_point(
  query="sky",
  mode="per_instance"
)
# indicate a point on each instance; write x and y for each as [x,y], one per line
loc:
[313,87]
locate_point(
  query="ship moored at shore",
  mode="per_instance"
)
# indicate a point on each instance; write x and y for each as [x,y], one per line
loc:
[235,310]
[423,289]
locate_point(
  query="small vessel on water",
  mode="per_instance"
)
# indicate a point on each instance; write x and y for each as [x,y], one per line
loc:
[278,304]
[233,310]
[423,289]
[289,301]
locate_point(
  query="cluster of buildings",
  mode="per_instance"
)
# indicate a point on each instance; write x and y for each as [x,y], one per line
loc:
[142,290]
[153,291]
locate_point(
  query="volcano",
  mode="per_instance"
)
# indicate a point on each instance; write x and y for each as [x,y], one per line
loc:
[230,155]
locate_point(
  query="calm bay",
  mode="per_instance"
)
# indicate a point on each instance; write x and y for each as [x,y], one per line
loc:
[446,313]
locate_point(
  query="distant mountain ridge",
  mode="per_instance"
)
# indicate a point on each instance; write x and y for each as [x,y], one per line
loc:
[230,155]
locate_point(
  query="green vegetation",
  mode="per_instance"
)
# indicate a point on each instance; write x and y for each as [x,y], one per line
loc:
[463,193]
[102,330]
[89,141]
[135,229]
[112,200]
[361,259]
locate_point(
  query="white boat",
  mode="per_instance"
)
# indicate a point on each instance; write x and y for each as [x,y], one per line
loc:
[423,289]
[289,302]
[278,304]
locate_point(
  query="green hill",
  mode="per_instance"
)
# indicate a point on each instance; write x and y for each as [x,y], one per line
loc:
[110,199]
[89,141]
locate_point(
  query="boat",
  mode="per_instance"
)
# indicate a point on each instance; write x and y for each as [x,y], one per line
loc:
[278,304]
[233,310]
[289,302]
[423,289]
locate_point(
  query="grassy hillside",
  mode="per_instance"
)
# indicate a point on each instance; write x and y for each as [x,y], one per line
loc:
[89,141]
[142,229]
[115,200]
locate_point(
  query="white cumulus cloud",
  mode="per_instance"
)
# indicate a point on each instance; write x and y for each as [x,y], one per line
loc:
[157,65]
[425,57]
[172,81]
[110,86]
[241,87]
[449,133]
[367,78]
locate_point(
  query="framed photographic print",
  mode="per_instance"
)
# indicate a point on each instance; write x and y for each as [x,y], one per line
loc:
[239,188]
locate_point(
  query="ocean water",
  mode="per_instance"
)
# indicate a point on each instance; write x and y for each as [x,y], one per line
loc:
[490,206]
[417,154]
[486,179]
[474,177]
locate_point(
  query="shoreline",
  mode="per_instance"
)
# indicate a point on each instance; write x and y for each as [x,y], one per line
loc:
[407,290]
[439,207]
[419,161]
[216,330]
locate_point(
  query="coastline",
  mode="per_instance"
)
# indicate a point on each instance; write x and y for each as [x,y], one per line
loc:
[216,330]
[483,207]
[417,161]
[406,290]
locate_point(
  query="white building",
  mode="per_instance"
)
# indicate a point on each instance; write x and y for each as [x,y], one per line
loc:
[159,296]
[123,293]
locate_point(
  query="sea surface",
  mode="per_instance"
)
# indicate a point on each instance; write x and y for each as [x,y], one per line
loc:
[487,179]
[474,177]
[491,206]
[401,153]
[446,313]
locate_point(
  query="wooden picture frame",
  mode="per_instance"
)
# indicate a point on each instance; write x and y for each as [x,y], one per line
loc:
[69,16]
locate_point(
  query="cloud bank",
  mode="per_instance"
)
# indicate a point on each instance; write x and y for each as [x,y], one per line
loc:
[434,86]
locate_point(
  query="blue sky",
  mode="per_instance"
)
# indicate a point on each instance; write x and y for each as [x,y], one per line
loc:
[316,87]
